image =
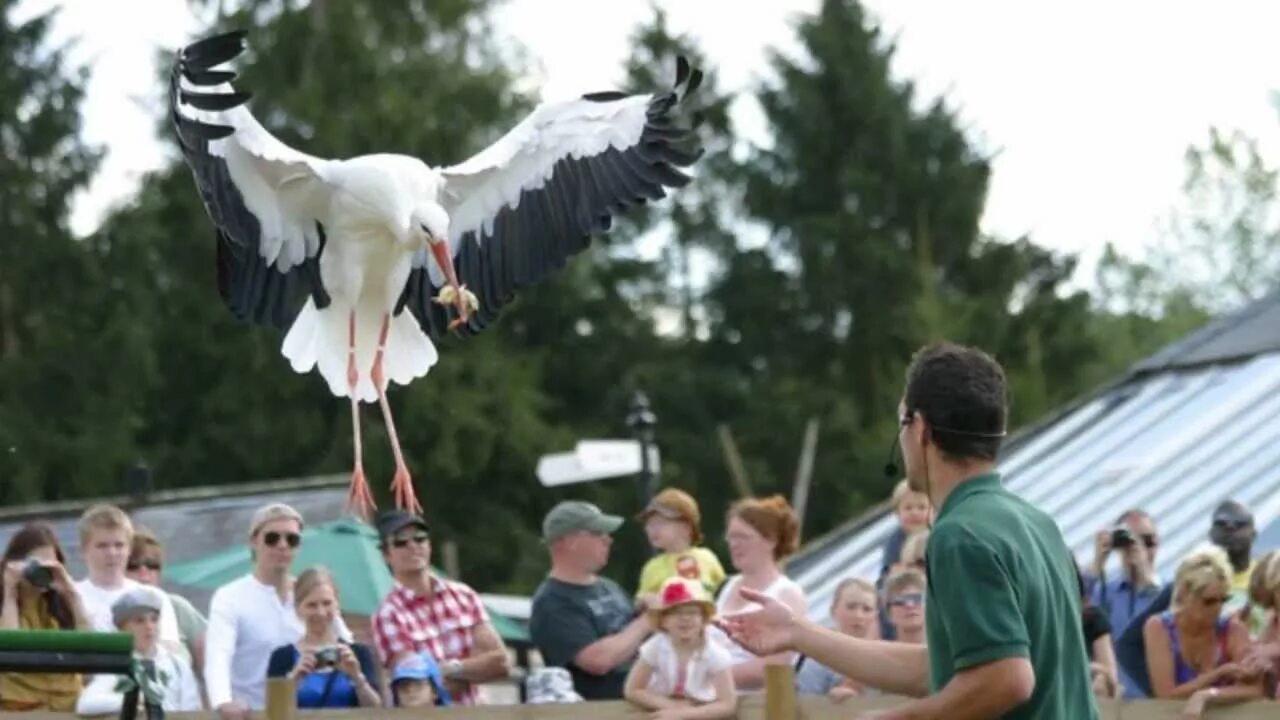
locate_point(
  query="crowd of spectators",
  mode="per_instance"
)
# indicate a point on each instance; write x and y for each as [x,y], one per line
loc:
[1209,635]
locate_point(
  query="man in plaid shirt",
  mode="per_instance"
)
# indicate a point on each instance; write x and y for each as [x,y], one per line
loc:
[424,613]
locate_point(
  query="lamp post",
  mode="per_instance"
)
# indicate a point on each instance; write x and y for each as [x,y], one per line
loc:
[641,421]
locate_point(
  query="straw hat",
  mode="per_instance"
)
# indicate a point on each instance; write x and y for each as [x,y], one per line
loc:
[678,591]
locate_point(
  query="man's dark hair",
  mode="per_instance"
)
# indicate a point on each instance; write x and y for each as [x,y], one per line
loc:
[961,393]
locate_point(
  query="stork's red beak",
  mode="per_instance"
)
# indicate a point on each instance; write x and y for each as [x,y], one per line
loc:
[441,250]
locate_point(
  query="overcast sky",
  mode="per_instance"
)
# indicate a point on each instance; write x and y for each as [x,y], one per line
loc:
[1087,106]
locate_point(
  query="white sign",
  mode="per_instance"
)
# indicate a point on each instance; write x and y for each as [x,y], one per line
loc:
[594,460]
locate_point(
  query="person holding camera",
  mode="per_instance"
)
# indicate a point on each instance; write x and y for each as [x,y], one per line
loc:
[1133,538]
[38,593]
[253,615]
[328,673]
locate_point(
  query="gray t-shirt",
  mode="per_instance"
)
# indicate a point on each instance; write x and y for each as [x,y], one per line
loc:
[566,618]
[814,678]
[190,622]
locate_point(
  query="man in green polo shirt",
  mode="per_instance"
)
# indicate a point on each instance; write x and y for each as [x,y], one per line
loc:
[1002,614]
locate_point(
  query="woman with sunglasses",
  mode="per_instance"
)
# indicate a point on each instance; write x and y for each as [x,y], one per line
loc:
[145,565]
[1193,652]
[252,616]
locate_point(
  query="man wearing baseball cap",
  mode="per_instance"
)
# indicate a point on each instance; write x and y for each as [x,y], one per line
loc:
[581,621]
[428,614]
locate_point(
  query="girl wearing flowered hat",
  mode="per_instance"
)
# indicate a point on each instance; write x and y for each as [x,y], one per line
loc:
[680,675]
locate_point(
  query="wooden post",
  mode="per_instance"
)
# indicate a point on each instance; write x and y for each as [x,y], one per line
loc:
[734,460]
[282,699]
[780,693]
[804,473]
[449,557]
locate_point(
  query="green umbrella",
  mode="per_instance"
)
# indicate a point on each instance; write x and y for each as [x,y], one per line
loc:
[348,549]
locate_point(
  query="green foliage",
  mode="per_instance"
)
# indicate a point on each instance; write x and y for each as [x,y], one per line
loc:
[1218,252]
[57,421]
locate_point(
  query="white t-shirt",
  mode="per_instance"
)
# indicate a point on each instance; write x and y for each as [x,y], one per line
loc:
[247,622]
[180,693]
[775,589]
[98,601]
[699,679]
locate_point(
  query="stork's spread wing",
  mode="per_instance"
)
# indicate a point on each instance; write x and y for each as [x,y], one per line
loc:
[264,197]
[524,205]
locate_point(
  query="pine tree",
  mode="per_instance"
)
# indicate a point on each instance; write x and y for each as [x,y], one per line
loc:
[53,391]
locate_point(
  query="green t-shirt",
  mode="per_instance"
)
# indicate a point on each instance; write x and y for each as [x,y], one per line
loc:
[1002,583]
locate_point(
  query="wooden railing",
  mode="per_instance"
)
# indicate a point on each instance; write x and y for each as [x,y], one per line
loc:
[778,702]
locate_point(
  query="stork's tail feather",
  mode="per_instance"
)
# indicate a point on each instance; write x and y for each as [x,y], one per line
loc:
[320,338]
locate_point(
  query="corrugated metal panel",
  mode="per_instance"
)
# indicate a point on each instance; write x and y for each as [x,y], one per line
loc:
[1174,444]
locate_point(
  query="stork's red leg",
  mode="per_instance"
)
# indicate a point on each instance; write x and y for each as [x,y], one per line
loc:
[402,483]
[359,499]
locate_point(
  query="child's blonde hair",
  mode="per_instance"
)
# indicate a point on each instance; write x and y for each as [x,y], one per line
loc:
[903,579]
[851,582]
[901,491]
[104,517]
[1198,570]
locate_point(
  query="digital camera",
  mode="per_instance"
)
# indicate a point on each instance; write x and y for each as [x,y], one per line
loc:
[37,574]
[1122,537]
[327,657]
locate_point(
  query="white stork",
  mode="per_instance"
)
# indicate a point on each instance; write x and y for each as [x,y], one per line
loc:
[337,250]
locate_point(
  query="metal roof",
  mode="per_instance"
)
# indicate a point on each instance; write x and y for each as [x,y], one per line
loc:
[1197,423]
[191,527]
[1251,331]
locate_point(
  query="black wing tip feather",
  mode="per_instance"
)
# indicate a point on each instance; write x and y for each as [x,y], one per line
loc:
[215,49]
[194,62]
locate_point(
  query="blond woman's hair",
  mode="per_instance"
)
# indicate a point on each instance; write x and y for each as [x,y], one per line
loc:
[1203,567]
[309,580]
[1264,583]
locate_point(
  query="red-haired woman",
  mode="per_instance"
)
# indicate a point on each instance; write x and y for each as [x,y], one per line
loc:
[760,533]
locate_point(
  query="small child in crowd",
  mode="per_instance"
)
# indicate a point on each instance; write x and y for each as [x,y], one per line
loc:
[914,513]
[672,522]
[679,673]
[904,595]
[416,682]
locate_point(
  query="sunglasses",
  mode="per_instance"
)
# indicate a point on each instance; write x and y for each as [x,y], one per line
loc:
[416,539]
[907,600]
[273,538]
[1231,523]
[153,565]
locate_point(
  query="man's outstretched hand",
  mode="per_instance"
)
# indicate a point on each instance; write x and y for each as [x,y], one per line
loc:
[766,631]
